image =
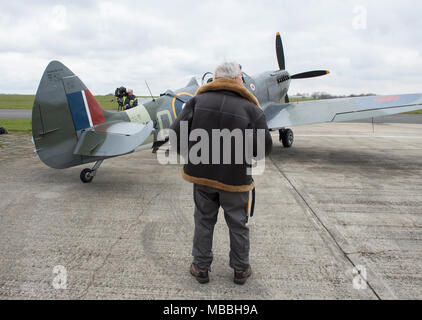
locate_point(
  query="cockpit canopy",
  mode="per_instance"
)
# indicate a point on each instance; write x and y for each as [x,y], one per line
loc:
[209,76]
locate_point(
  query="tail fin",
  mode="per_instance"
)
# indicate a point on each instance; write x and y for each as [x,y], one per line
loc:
[63,107]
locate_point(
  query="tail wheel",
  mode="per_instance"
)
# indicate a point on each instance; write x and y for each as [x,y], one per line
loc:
[86,175]
[287,138]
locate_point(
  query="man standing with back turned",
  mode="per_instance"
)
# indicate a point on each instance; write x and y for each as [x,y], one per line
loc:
[224,103]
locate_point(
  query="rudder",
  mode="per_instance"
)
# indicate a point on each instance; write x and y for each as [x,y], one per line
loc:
[57,116]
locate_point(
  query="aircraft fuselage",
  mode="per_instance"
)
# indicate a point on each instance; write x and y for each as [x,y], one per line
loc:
[271,86]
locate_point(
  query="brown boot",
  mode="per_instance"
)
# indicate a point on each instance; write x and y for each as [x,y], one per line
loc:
[200,275]
[240,276]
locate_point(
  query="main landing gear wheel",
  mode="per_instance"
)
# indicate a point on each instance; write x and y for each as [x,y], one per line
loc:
[287,137]
[88,174]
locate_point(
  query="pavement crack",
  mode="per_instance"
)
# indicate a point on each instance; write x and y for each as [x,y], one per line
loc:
[366,253]
[313,212]
[110,250]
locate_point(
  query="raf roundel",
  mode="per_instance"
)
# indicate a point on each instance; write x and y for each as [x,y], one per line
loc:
[178,105]
[252,87]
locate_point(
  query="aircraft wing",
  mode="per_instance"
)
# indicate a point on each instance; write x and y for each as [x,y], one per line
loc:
[112,138]
[338,110]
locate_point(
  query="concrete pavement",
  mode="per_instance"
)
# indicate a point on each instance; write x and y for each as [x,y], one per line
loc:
[344,197]
[15,114]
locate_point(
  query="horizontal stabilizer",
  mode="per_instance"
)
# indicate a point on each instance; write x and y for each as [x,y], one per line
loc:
[338,110]
[112,139]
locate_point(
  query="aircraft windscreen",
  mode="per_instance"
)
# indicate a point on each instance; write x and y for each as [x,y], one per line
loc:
[246,79]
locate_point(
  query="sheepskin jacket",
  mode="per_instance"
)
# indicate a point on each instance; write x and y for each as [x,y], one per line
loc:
[221,104]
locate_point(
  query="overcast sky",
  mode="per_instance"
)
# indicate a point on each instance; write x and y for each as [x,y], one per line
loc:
[369,46]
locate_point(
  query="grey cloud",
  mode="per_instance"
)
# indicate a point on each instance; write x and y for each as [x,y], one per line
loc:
[127,42]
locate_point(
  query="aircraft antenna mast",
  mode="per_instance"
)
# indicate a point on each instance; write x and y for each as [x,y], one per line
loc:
[153,99]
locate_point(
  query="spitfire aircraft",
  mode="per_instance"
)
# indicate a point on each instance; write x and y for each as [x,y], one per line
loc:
[70,128]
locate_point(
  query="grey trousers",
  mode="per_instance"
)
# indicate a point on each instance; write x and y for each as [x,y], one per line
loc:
[235,205]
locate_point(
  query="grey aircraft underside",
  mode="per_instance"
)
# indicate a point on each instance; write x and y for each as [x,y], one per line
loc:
[70,128]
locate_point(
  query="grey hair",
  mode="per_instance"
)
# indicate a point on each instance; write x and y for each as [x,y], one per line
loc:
[228,70]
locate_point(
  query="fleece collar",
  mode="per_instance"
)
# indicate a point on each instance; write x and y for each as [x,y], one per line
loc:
[231,85]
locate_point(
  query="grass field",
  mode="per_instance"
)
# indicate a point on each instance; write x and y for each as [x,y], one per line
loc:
[17,125]
[16,101]
[25,101]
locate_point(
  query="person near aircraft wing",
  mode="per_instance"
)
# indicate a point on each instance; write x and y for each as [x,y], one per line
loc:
[130,101]
[223,104]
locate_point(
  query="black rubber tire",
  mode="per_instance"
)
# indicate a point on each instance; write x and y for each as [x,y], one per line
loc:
[287,138]
[86,176]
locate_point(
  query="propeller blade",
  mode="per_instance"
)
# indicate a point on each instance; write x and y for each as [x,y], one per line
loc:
[310,74]
[280,52]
